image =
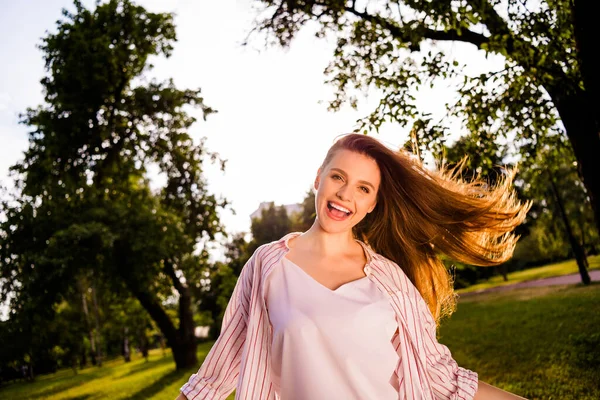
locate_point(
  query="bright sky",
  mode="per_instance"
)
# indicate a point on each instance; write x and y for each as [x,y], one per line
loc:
[270,125]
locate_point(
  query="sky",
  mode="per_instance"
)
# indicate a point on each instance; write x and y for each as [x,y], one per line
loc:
[272,125]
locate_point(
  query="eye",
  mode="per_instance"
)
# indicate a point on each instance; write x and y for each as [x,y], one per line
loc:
[336,177]
[364,189]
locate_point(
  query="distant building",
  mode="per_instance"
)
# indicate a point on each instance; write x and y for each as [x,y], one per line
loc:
[289,209]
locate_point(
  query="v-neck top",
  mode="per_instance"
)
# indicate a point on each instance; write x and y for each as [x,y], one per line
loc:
[330,344]
[240,358]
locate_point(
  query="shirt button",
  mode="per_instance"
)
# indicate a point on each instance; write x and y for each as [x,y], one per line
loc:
[367,270]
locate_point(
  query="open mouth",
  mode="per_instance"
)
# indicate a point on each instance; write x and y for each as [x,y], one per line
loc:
[338,211]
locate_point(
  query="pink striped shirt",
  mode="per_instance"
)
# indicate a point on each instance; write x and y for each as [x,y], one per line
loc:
[240,358]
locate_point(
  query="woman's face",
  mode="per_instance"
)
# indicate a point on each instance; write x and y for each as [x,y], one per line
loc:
[346,190]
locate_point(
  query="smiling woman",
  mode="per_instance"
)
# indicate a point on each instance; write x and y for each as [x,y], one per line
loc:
[348,185]
[349,308]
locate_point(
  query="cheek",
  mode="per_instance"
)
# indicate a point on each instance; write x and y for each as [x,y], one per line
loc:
[370,204]
[366,205]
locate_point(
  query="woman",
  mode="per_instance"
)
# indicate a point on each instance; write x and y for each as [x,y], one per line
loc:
[349,308]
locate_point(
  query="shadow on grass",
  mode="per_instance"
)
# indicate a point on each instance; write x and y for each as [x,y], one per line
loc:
[143,366]
[37,391]
[160,384]
[81,397]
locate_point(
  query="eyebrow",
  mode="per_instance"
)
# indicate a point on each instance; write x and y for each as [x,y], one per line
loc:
[344,173]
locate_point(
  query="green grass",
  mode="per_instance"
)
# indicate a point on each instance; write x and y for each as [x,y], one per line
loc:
[136,380]
[547,271]
[540,343]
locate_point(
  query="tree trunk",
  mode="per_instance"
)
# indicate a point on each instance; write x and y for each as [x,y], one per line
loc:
[143,343]
[83,359]
[582,262]
[126,349]
[183,345]
[74,364]
[580,123]
[585,21]
[187,335]
[29,370]
[501,269]
[582,230]
[161,339]
[184,353]
[97,321]
[90,329]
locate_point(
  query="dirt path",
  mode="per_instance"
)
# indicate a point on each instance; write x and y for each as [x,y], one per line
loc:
[556,280]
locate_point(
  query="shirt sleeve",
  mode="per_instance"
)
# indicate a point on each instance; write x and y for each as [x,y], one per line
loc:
[217,377]
[449,381]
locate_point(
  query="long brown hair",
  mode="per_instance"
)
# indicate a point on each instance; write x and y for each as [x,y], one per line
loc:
[421,214]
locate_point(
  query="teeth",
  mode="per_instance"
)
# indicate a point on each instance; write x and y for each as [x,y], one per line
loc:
[339,208]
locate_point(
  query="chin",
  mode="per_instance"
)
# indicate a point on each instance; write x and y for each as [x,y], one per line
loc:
[334,227]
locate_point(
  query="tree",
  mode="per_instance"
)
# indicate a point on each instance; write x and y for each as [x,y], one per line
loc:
[548,85]
[272,225]
[551,179]
[302,221]
[84,206]
[213,291]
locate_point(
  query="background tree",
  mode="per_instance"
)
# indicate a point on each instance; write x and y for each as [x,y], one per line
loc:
[84,204]
[213,290]
[563,218]
[272,225]
[395,47]
[302,221]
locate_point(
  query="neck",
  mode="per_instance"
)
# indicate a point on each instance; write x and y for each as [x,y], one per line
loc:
[328,244]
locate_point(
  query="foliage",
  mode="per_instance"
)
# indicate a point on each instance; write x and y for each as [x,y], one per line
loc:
[272,225]
[84,204]
[555,163]
[398,47]
[301,222]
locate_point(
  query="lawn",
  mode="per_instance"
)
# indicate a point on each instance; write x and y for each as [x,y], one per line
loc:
[541,343]
[138,379]
[558,269]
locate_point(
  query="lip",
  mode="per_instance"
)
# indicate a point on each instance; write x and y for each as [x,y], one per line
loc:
[340,205]
[333,217]
[337,204]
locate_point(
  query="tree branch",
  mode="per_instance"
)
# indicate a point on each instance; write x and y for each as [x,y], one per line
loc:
[466,35]
[490,18]
[170,271]
[156,311]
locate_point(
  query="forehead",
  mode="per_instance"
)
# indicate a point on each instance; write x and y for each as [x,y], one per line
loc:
[357,166]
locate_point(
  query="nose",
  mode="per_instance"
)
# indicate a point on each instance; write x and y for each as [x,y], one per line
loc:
[343,193]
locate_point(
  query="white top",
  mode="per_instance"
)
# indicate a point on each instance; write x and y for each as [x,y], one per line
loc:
[330,344]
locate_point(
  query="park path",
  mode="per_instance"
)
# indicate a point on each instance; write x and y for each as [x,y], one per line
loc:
[556,280]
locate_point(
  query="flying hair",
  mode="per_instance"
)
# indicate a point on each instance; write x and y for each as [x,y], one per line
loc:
[422,214]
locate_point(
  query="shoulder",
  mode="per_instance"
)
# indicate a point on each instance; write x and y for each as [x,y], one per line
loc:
[268,250]
[394,272]
[385,265]
[402,283]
